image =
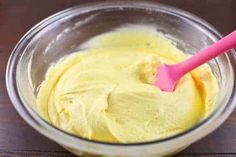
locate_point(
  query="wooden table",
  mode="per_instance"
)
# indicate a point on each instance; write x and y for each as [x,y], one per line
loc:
[17,16]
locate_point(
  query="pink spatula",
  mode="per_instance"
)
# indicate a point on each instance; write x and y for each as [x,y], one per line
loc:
[168,75]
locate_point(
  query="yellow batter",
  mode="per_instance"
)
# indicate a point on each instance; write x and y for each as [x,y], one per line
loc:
[106,92]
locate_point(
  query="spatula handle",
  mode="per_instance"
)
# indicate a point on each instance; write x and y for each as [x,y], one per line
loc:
[220,47]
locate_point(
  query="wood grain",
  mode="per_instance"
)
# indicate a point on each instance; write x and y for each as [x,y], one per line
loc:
[19,139]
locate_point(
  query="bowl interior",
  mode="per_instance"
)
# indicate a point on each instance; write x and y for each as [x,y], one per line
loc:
[62,35]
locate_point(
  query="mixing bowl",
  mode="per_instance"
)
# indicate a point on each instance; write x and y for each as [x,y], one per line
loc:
[64,32]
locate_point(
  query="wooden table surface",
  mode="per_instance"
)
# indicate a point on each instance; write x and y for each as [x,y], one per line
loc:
[17,16]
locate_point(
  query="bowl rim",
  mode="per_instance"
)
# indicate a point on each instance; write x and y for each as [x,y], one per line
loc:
[34,120]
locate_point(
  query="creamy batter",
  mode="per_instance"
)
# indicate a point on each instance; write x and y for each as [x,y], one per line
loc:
[106,91]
